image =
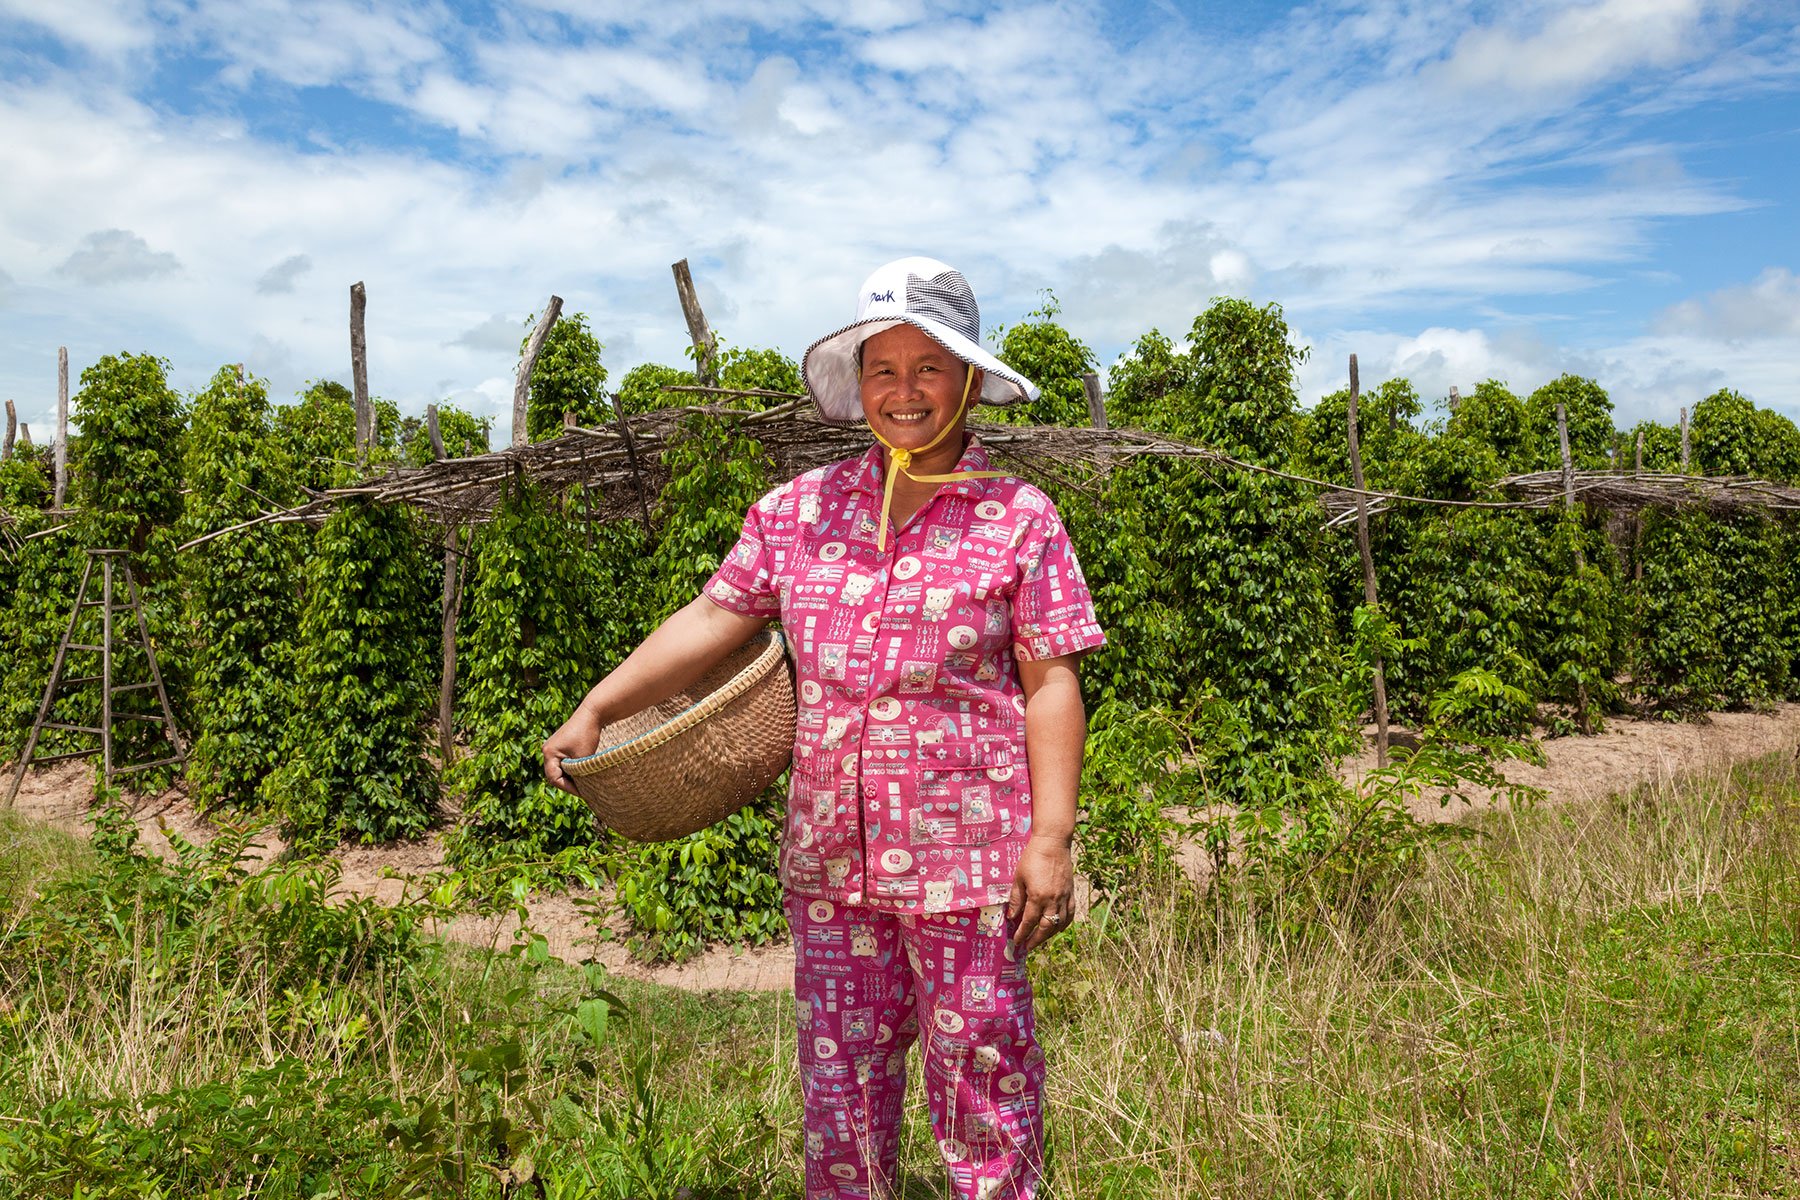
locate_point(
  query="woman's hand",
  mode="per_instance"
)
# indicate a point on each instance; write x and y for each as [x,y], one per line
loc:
[575,738]
[675,656]
[1043,893]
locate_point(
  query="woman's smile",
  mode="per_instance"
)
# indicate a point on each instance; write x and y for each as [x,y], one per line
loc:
[912,391]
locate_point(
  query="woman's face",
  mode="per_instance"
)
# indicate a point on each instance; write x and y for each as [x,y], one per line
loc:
[912,388]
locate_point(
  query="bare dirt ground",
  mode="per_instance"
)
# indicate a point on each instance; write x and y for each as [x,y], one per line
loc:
[1577,769]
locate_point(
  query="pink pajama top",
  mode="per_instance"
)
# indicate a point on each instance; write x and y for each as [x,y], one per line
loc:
[909,790]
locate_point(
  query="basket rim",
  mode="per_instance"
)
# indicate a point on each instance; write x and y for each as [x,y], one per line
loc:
[748,676]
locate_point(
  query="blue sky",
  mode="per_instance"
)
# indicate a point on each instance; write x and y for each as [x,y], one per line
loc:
[1454,191]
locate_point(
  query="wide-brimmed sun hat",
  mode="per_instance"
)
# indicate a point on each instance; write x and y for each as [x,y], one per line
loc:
[921,292]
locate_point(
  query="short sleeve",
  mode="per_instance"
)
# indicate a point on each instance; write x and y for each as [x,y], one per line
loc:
[746,581]
[1053,613]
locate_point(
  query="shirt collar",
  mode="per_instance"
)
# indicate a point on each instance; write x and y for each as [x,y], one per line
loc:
[870,471]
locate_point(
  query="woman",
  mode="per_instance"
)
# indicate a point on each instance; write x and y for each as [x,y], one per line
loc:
[936,611]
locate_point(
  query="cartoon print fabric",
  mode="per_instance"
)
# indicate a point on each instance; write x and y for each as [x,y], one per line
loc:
[909,790]
[867,985]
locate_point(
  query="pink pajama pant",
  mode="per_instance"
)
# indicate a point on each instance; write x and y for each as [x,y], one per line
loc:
[865,983]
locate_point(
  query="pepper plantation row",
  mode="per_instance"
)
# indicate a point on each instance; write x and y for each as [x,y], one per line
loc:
[304,662]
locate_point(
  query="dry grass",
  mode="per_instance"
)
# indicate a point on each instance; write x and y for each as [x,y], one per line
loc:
[1586,1000]
[1602,998]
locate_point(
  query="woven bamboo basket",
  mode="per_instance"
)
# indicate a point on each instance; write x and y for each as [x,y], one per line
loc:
[699,756]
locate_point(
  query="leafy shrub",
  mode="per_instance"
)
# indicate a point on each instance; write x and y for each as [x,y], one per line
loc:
[540,616]
[317,434]
[1052,358]
[24,485]
[1238,553]
[642,388]
[459,429]
[354,748]
[714,885]
[1580,650]
[1755,660]
[242,592]
[1678,656]
[567,378]
[1589,411]
[1722,434]
[1493,417]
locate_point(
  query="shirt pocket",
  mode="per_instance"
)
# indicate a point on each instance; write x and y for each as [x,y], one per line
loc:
[961,802]
[820,817]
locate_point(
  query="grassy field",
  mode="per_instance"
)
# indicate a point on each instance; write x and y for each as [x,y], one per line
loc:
[1603,1000]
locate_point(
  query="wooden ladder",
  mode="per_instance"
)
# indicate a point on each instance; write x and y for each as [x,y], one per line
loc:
[113,566]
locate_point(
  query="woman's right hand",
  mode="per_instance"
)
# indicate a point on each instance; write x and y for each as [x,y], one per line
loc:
[675,655]
[575,738]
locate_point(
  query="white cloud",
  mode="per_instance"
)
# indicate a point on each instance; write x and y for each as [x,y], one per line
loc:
[1580,46]
[1766,307]
[108,28]
[116,256]
[279,279]
[318,43]
[1358,165]
[498,334]
[1646,377]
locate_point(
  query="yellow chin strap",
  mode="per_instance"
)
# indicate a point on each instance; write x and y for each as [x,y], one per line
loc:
[899,460]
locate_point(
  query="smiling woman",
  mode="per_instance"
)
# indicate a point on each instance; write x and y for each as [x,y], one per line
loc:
[936,613]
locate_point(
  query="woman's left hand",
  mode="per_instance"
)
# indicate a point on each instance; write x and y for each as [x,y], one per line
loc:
[1043,894]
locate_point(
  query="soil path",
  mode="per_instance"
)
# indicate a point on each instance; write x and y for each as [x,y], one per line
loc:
[1577,769]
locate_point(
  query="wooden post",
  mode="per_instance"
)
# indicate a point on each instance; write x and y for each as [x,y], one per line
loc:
[631,454]
[1368,566]
[1618,463]
[12,430]
[1637,519]
[24,434]
[452,609]
[521,429]
[62,425]
[1568,463]
[56,670]
[1684,441]
[1568,474]
[1455,399]
[706,346]
[106,669]
[359,374]
[434,432]
[1096,400]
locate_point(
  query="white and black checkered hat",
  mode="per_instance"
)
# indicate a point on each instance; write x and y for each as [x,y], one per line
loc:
[922,292]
